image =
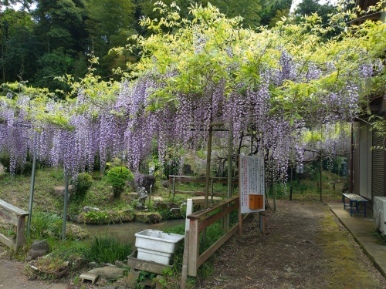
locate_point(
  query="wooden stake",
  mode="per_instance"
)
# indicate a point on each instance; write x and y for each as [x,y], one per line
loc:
[184,273]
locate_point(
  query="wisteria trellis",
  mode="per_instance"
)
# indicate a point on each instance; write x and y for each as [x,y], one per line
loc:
[127,124]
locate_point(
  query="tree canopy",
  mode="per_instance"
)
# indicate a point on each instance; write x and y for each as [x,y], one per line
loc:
[58,37]
[270,85]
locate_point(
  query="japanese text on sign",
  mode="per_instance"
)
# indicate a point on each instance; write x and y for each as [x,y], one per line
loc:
[251,181]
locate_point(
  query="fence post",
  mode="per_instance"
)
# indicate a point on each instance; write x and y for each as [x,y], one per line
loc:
[185,259]
[20,237]
[193,247]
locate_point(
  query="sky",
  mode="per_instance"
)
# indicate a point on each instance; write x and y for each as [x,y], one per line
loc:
[296,2]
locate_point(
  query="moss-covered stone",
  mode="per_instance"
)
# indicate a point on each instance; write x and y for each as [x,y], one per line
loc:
[148,217]
[106,217]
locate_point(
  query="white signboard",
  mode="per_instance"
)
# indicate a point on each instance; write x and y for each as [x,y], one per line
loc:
[251,184]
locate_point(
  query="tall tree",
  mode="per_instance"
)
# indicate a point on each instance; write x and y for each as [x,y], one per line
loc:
[308,7]
[273,11]
[18,45]
[62,39]
[60,24]
[248,9]
[109,23]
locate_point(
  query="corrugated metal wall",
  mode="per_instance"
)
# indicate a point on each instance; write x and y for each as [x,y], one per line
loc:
[378,167]
[356,173]
[365,161]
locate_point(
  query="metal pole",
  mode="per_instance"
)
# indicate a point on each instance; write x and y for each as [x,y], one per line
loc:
[230,173]
[351,177]
[290,196]
[31,194]
[320,177]
[65,206]
[230,152]
[208,158]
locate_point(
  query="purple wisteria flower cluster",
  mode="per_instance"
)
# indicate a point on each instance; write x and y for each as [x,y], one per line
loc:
[125,128]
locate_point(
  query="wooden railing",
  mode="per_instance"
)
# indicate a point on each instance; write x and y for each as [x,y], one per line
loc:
[15,216]
[174,179]
[199,221]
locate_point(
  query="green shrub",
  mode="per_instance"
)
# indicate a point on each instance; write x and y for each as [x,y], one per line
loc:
[49,226]
[82,184]
[108,250]
[96,217]
[45,225]
[107,217]
[117,177]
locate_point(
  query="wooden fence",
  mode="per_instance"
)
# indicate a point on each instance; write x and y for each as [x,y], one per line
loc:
[175,179]
[199,221]
[15,216]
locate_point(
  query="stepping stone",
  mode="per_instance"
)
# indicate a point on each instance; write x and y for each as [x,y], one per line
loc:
[131,280]
[89,276]
[108,272]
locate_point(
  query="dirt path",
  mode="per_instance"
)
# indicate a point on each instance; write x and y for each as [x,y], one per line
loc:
[305,247]
[12,277]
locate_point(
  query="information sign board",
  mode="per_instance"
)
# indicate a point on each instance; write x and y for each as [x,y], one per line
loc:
[251,184]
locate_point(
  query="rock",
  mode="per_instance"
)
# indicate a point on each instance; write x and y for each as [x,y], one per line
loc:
[59,191]
[109,272]
[33,254]
[38,248]
[165,205]
[88,209]
[40,245]
[121,264]
[146,181]
[157,198]
[76,231]
[106,217]
[187,169]
[165,184]
[132,196]
[158,282]
[93,264]
[148,217]
[89,276]
[131,280]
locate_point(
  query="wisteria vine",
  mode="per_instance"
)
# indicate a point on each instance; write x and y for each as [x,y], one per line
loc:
[124,127]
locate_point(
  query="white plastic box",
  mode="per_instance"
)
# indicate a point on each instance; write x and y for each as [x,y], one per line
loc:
[157,246]
[379,212]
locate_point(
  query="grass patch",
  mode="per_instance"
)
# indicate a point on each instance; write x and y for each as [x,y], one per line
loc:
[107,250]
[343,255]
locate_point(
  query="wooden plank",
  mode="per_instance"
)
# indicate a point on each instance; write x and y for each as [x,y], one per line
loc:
[209,252]
[196,193]
[189,179]
[12,208]
[193,248]
[199,193]
[211,219]
[9,217]
[201,199]
[7,241]
[20,238]
[143,265]
[184,271]
[205,213]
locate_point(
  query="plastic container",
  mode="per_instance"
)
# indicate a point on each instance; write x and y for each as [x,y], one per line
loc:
[157,246]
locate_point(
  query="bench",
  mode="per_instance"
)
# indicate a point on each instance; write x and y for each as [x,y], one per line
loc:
[353,204]
[15,216]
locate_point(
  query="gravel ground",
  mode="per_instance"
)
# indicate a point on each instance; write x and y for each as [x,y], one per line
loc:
[305,246]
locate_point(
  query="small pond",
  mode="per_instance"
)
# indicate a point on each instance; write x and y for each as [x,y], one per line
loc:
[125,232]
